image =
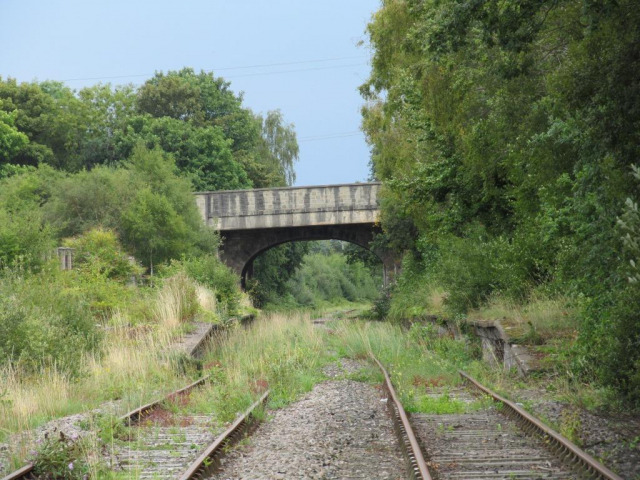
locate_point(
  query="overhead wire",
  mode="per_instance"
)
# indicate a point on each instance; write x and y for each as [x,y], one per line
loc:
[264,65]
[330,136]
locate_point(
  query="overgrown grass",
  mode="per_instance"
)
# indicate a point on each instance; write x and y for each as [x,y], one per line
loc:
[418,360]
[281,352]
[540,319]
[132,366]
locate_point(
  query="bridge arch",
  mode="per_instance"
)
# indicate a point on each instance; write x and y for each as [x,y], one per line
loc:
[242,261]
[253,221]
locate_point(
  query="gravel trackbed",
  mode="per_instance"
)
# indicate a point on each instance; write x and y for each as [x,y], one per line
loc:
[341,429]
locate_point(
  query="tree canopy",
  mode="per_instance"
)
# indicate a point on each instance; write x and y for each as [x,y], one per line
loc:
[504,133]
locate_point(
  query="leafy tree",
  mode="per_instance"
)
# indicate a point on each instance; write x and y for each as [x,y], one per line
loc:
[144,201]
[153,228]
[202,99]
[202,154]
[280,145]
[273,269]
[11,140]
[504,131]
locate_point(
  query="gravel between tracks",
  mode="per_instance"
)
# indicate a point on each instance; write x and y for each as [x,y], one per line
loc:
[341,429]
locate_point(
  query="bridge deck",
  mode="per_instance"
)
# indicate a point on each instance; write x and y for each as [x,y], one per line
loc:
[346,204]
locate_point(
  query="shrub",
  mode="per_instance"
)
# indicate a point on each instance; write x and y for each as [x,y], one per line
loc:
[382,304]
[475,266]
[208,270]
[44,323]
[99,253]
[62,458]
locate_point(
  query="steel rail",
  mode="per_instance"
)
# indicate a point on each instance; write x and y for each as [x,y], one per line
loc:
[129,418]
[21,473]
[568,452]
[209,459]
[408,440]
[137,414]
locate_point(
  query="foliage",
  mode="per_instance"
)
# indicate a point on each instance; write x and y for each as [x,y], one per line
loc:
[99,252]
[209,271]
[280,145]
[629,222]
[503,133]
[313,275]
[62,458]
[203,154]
[98,134]
[149,206]
[44,322]
[329,279]
[382,304]
[217,142]
[24,240]
[273,269]
[11,140]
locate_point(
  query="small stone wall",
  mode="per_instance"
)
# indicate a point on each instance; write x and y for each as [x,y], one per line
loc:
[497,349]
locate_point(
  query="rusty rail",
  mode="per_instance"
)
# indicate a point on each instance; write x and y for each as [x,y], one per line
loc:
[21,474]
[137,414]
[133,416]
[567,451]
[408,441]
[210,458]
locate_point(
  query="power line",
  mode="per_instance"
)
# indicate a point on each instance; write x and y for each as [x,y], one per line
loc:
[226,68]
[330,137]
[313,137]
[294,71]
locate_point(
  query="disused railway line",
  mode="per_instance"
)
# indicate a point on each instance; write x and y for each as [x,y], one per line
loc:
[501,441]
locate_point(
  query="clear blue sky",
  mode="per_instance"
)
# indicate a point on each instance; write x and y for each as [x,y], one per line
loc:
[80,39]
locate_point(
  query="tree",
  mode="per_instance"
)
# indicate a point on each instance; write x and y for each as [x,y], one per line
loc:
[201,99]
[11,140]
[202,154]
[153,228]
[280,145]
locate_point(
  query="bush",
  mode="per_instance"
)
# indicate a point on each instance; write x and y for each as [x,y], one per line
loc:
[382,304]
[98,252]
[62,458]
[43,323]
[473,267]
[329,278]
[209,271]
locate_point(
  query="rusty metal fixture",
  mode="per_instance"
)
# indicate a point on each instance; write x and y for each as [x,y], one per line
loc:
[567,451]
[140,412]
[408,441]
[209,460]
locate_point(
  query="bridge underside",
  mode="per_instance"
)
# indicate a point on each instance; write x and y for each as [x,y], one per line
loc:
[241,247]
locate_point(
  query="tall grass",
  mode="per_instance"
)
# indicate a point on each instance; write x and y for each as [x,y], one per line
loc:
[133,366]
[177,301]
[538,319]
[278,351]
[417,360]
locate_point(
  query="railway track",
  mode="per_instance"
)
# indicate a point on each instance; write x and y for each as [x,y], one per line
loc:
[499,440]
[131,418]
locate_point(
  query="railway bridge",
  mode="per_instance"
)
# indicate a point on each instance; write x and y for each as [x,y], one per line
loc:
[253,221]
